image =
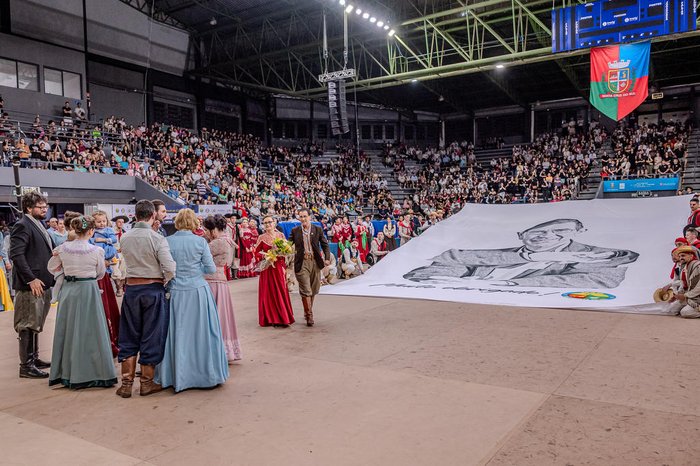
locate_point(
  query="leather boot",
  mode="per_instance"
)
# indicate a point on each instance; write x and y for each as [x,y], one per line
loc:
[38,362]
[128,370]
[27,369]
[308,313]
[148,386]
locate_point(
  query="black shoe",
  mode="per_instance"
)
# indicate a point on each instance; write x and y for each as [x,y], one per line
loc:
[31,372]
[39,364]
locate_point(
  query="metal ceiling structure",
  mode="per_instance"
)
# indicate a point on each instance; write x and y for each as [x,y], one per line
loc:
[446,55]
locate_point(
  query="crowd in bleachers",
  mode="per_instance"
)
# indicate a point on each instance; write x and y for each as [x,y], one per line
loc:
[647,151]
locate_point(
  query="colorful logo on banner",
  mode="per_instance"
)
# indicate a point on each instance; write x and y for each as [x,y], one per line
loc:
[619,78]
[588,295]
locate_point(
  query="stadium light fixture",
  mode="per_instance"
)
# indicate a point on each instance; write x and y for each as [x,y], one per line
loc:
[365,15]
[380,24]
[391,33]
[373,19]
[349,8]
[358,11]
[386,27]
[342,2]
[500,66]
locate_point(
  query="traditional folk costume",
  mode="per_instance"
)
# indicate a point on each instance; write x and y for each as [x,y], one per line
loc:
[246,255]
[222,251]
[109,299]
[311,253]
[274,305]
[405,231]
[144,318]
[30,250]
[194,350]
[690,287]
[231,233]
[82,351]
[352,264]
[337,233]
[363,240]
[390,236]
[378,250]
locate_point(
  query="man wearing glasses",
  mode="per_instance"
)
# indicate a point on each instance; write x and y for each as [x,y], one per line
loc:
[31,247]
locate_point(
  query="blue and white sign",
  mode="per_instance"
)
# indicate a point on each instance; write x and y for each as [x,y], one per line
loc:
[644,184]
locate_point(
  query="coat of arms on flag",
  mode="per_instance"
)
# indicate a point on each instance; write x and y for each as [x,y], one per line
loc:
[619,78]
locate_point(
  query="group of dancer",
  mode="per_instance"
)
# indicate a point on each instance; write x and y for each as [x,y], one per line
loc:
[176,318]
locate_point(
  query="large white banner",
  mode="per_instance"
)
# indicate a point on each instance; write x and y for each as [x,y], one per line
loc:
[602,254]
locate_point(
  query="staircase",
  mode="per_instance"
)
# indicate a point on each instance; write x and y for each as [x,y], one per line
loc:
[397,192]
[593,181]
[691,175]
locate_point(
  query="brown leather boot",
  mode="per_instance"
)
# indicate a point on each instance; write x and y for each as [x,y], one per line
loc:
[308,313]
[148,386]
[128,370]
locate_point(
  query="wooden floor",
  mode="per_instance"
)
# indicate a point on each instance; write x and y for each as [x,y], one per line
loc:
[390,382]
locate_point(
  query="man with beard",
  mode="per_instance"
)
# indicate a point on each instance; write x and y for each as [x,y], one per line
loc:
[31,248]
[686,302]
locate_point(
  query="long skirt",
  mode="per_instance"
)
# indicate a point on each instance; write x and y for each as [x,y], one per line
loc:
[194,350]
[390,243]
[246,269]
[109,303]
[274,305]
[82,354]
[5,298]
[229,333]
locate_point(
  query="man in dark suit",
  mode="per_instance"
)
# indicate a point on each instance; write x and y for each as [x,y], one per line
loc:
[549,257]
[31,247]
[309,260]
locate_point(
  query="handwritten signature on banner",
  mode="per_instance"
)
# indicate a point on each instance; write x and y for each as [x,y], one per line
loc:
[468,288]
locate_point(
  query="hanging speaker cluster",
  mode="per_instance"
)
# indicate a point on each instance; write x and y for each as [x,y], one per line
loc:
[337,108]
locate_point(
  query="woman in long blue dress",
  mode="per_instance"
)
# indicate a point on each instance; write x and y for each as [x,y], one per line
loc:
[194,350]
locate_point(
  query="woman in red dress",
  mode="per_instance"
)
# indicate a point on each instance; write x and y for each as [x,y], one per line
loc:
[246,269]
[274,305]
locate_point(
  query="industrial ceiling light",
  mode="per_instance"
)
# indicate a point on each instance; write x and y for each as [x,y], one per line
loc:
[500,66]
[342,2]
[373,19]
[212,21]
[380,23]
[358,11]
[391,33]
[349,8]
[386,27]
[365,15]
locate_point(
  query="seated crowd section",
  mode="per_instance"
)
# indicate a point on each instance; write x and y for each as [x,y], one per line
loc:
[217,167]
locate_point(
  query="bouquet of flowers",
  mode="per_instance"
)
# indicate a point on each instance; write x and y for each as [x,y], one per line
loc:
[280,248]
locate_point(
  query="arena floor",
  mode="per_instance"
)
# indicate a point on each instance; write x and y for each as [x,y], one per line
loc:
[391,382]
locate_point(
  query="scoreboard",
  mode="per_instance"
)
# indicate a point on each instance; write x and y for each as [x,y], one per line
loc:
[608,22]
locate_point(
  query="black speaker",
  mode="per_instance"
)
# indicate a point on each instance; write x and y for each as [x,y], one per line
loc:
[337,108]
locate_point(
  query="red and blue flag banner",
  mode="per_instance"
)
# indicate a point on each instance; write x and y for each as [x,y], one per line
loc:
[619,78]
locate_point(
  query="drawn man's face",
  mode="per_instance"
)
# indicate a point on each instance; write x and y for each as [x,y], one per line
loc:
[548,237]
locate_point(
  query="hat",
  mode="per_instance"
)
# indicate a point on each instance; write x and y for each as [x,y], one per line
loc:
[661,296]
[680,239]
[687,249]
[122,217]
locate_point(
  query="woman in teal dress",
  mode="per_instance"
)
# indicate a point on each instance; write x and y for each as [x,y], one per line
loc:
[81,356]
[194,350]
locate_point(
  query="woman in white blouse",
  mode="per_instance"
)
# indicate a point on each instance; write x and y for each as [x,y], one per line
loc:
[82,354]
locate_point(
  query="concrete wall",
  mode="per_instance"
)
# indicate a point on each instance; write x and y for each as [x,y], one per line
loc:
[44,55]
[115,30]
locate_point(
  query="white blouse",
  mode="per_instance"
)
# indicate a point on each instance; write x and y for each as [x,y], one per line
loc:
[79,259]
